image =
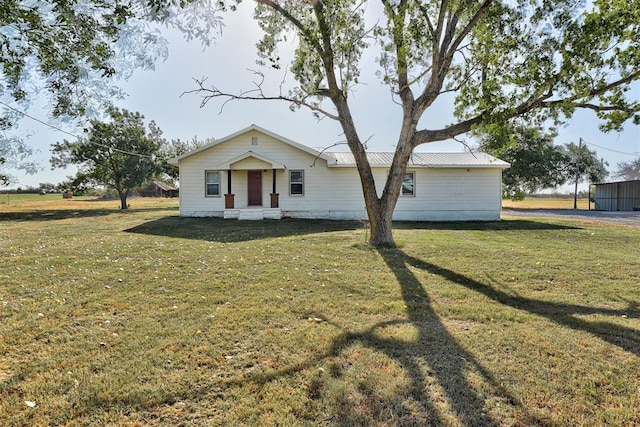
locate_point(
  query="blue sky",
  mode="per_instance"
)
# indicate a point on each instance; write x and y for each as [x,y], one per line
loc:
[158,95]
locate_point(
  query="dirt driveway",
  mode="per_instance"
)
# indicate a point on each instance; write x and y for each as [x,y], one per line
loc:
[622,218]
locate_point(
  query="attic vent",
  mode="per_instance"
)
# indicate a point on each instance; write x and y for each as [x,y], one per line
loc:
[254,140]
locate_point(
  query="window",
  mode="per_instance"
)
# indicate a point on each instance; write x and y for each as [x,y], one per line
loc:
[212,183]
[254,140]
[296,183]
[408,184]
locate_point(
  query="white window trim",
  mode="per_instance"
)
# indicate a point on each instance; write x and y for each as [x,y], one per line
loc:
[414,185]
[206,183]
[303,179]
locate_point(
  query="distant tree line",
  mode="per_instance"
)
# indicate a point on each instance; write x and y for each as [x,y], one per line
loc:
[536,162]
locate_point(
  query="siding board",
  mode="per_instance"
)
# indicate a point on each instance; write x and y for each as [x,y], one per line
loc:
[334,192]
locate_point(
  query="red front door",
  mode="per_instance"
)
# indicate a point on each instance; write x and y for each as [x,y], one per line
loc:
[255,188]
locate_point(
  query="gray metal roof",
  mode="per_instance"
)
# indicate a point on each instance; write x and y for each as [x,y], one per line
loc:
[423,160]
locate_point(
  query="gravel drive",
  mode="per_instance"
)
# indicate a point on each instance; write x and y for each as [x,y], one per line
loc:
[621,218]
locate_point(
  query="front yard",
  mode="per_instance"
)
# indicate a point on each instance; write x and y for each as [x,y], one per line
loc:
[144,318]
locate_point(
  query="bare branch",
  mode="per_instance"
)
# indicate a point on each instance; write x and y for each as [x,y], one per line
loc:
[325,149]
[256,94]
[465,144]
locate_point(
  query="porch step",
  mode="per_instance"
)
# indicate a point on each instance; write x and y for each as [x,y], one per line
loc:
[253,214]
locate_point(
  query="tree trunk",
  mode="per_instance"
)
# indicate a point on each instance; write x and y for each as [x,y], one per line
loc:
[381,227]
[123,199]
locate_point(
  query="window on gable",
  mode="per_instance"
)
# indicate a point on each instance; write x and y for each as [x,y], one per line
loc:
[408,187]
[212,183]
[296,183]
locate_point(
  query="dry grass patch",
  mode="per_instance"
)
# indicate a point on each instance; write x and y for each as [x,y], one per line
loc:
[546,203]
[145,318]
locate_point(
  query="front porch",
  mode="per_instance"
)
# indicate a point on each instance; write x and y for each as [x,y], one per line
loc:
[253,214]
[249,170]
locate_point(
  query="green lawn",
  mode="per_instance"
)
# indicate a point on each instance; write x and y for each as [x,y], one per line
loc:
[144,318]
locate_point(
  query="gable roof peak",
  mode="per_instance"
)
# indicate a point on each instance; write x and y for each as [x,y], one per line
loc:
[252,127]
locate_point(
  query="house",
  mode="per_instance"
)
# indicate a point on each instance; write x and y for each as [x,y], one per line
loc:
[255,174]
[158,189]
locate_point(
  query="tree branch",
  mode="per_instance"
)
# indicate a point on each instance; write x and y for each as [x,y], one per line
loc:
[536,101]
[467,29]
[596,92]
[399,42]
[209,93]
[295,21]
[445,52]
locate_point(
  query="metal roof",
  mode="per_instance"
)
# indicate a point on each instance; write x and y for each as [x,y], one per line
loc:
[423,160]
[376,159]
[164,186]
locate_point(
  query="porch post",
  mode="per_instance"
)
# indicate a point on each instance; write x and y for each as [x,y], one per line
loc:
[228,198]
[274,196]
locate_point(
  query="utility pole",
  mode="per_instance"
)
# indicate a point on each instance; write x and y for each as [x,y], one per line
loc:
[575,191]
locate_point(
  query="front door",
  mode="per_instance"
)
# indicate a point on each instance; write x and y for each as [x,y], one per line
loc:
[255,188]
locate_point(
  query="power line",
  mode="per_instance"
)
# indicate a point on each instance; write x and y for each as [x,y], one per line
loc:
[72,134]
[609,149]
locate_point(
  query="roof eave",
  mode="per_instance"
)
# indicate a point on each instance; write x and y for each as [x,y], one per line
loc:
[309,150]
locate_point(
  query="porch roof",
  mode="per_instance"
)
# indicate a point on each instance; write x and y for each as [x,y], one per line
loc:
[251,154]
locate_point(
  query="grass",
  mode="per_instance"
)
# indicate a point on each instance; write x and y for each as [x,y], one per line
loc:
[145,318]
[546,203]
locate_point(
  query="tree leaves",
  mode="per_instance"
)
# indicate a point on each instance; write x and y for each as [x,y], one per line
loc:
[536,163]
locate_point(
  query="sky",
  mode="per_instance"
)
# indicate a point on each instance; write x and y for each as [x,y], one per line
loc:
[160,96]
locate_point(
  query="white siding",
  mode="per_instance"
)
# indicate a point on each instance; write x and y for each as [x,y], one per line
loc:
[452,194]
[193,202]
[335,193]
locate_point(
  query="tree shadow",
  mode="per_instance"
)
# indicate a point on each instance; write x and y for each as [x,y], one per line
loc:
[447,362]
[502,225]
[58,214]
[227,231]
[230,231]
[434,357]
[626,338]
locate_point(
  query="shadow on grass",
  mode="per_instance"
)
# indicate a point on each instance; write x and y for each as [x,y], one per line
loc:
[227,231]
[627,339]
[221,230]
[502,225]
[435,356]
[57,214]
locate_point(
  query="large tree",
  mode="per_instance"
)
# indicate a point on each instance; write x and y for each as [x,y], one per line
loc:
[628,171]
[584,164]
[536,162]
[120,154]
[175,148]
[71,55]
[537,59]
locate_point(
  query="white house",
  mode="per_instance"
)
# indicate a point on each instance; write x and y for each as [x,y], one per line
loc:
[256,174]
